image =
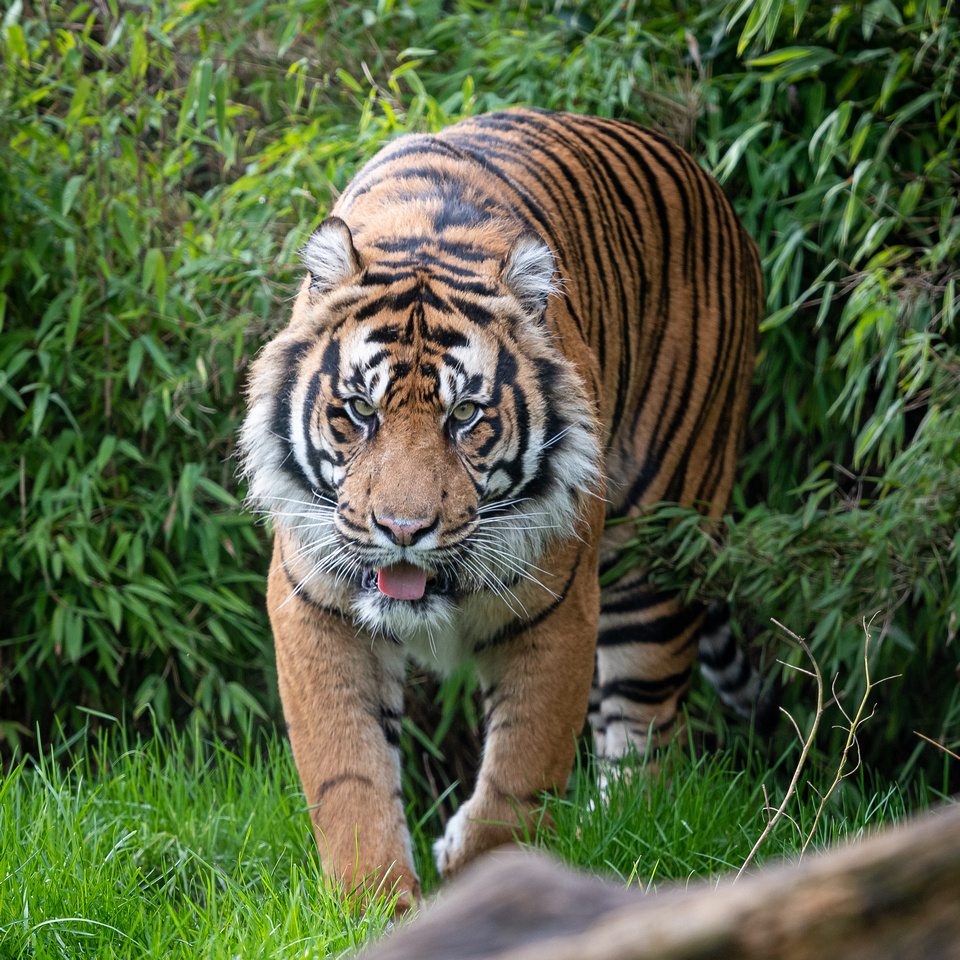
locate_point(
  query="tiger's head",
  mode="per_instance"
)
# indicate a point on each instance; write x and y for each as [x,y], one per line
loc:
[415,429]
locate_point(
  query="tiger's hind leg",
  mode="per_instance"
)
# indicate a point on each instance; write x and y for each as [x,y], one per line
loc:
[727,668]
[646,646]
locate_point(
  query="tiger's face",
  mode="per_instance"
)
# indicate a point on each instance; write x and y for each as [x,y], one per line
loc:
[421,428]
[416,445]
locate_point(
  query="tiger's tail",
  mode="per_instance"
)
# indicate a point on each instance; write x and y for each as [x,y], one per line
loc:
[729,671]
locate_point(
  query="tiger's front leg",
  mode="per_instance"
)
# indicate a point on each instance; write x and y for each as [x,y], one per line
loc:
[342,699]
[536,682]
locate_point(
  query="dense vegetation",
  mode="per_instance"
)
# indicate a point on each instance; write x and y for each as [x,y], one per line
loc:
[159,166]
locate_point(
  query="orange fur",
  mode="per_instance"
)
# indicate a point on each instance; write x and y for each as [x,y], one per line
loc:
[436,405]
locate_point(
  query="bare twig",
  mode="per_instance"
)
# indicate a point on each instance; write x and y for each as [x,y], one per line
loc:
[853,724]
[793,666]
[796,726]
[771,823]
[939,745]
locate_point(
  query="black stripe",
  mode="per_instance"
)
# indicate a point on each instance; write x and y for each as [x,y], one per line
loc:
[607,565]
[640,731]
[648,472]
[720,659]
[645,691]
[641,598]
[474,312]
[384,277]
[341,779]
[391,733]
[410,145]
[740,679]
[651,731]
[660,631]
[416,246]
[305,597]
[281,424]
[717,615]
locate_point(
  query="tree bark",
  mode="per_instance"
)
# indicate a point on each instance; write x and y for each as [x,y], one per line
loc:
[895,895]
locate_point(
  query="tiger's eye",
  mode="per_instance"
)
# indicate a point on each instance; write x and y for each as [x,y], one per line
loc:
[464,411]
[361,408]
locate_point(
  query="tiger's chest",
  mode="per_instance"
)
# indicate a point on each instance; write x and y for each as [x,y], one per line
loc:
[477,624]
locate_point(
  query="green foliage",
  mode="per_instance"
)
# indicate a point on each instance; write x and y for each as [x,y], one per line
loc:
[125,557]
[154,164]
[159,165]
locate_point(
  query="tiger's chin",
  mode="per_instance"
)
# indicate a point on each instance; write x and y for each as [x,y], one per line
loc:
[424,628]
[402,619]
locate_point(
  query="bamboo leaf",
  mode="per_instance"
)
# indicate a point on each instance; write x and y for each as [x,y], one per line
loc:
[134,361]
[204,86]
[70,193]
[79,101]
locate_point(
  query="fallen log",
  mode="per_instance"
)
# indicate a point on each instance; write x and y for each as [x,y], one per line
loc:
[894,895]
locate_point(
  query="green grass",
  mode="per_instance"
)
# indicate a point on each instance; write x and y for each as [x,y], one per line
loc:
[701,816]
[182,847]
[170,848]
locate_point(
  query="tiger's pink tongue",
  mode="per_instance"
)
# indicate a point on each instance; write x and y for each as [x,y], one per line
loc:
[402,581]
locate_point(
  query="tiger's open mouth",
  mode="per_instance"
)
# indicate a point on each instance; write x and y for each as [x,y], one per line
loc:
[404,581]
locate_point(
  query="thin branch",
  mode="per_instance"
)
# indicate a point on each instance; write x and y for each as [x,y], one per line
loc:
[854,724]
[803,754]
[793,666]
[938,745]
[796,726]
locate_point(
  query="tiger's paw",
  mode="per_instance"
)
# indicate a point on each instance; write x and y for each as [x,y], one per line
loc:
[481,825]
[613,776]
[449,851]
[474,829]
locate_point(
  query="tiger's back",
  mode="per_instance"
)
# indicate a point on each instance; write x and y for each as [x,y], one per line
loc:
[510,331]
[660,283]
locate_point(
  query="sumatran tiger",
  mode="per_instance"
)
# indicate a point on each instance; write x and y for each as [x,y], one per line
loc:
[510,332]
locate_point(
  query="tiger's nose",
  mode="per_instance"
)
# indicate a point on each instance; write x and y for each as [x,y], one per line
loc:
[405,531]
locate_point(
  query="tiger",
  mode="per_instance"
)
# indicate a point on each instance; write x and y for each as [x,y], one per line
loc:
[509,334]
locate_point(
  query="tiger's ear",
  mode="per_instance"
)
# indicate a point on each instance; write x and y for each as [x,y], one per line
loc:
[330,256]
[527,271]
